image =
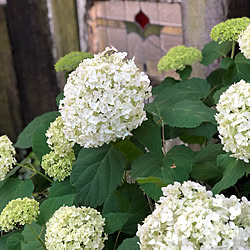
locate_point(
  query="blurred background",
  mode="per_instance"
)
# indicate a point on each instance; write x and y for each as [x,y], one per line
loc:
[34,34]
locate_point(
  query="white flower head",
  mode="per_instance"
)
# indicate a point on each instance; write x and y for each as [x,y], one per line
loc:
[233,118]
[75,228]
[188,217]
[104,99]
[19,212]
[7,156]
[244,42]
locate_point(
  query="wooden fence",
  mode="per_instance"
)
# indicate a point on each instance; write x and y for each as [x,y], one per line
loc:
[35,33]
[28,81]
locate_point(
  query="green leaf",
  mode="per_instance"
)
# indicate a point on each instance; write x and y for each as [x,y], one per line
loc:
[30,241]
[25,138]
[180,105]
[226,63]
[213,51]
[218,94]
[39,141]
[50,205]
[13,188]
[241,69]
[205,131]
[215,78]
[152,140]
[59,98]
[152,186]
[130,244]
[233,169]
[162,167]
[194,88]
[71,61]
[151,179]
[185,73]
[12,241]
[115,221]
[189,114]
[128,149]
[96,174]
[152,190]
[147,165]
[59,189]
[177,164]
[171,132]
[192,139]
[167,82]
[128,199]
[204,164]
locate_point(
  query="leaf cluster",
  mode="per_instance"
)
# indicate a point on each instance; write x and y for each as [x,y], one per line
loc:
[122,180]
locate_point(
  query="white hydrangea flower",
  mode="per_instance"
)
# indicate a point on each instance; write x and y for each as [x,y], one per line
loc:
[57,166]
[56,138]
[75,228]
[104,99]
[19,212]
[188,217]
[244,42]
[7,156]
[234,120]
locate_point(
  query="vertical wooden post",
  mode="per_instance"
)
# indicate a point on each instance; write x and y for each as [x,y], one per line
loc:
[65,30]
[32,48]
[199,17]
[10,117]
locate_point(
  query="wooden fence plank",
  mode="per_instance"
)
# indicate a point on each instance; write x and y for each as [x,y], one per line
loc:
[32,48]
[10,117]
[65,29]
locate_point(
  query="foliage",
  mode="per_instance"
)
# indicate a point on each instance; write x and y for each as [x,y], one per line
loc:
[122,177]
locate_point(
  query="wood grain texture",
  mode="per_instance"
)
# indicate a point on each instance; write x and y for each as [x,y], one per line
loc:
[10,118]
[32,48]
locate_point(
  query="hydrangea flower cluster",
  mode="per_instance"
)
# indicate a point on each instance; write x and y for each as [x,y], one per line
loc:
[56,166]
[58,163]
[19,212]
[234,120]
[178,57]
[229,30]
[75,228]
[56,138]
[104,99]
[188,217]
[244,42]
[7,156]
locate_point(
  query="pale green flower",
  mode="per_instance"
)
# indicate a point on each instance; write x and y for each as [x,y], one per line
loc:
[56,138]
[233,119]
[189,217]
[229,30]
[7,156]
[19,212]
[179,57]
[244,42]
[75,228]
[57,166]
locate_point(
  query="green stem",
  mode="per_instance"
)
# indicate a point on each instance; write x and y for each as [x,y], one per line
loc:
[38,238]
[116,240]
[163,139]
[233,49]
[35,171]
[210,91]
